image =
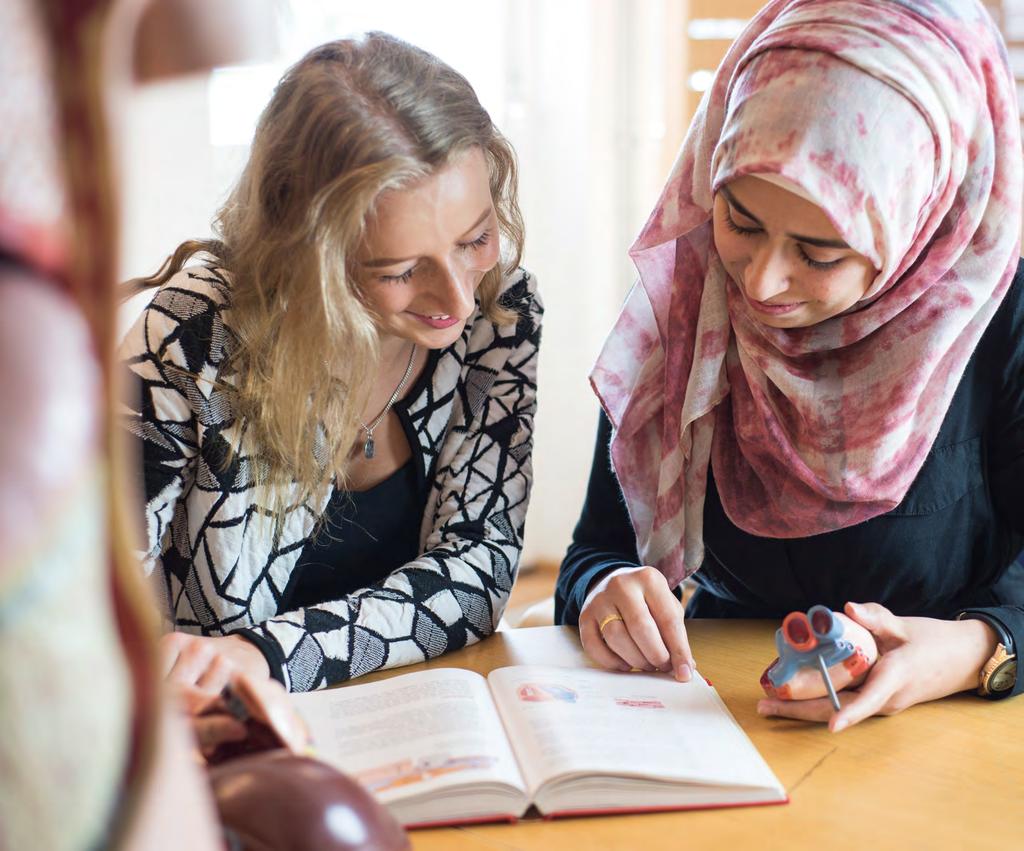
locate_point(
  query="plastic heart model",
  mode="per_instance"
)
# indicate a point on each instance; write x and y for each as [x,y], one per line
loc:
[806,643]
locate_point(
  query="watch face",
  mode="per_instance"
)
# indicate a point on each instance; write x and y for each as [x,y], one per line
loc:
[1003,677]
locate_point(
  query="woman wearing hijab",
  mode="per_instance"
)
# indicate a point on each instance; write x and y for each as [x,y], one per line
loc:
[815,393]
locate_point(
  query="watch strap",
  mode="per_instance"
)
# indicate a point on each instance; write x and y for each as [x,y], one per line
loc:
[1002,633]
[1004,652]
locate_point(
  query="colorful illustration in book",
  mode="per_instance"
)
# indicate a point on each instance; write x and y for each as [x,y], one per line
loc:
[639,702]
[540,692]
[820,652]
[409,771]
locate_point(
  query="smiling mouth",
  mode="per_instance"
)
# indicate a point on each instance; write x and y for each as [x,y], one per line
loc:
[437,320]
[775,309]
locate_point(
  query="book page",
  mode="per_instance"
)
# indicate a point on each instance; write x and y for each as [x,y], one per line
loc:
[583,721]
[412,734]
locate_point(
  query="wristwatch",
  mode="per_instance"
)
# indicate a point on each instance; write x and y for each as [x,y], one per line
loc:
[999,673]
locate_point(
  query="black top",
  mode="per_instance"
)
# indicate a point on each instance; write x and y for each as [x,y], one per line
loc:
[950,545]
[363,537]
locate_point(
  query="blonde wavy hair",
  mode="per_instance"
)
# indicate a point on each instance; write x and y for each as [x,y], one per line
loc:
[350,120]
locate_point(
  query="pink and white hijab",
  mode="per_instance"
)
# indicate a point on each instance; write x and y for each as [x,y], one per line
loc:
[899,119]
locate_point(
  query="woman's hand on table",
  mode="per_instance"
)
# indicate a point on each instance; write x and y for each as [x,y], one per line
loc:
[200,666]
[920,659]
[631,620]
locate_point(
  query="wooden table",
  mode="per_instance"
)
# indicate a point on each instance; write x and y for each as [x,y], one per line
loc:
[948,774]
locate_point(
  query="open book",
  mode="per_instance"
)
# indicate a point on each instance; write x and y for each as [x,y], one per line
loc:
[447,746]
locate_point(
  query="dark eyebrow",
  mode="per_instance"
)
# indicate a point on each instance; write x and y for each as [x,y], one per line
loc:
[394,261]
[810,240]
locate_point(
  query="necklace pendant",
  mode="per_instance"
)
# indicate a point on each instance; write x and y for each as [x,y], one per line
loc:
[368,446]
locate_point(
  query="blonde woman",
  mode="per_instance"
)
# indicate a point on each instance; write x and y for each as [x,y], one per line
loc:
[336,407]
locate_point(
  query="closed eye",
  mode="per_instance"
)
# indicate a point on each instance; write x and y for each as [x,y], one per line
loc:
[479,242]
[735,228]
[405,277]
[820,265]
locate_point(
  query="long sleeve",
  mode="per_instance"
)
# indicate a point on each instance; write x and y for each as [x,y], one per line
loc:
[1006,466]
[455,592]
[603,539]
[176,342]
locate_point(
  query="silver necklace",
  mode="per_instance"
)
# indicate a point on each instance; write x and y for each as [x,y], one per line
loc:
[368,446]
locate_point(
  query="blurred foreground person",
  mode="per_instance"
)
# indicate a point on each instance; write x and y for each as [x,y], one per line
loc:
[93,754]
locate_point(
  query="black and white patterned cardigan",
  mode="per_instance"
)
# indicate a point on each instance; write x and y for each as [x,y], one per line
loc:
[211,549]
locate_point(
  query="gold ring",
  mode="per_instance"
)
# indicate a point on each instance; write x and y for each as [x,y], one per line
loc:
[608,620]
